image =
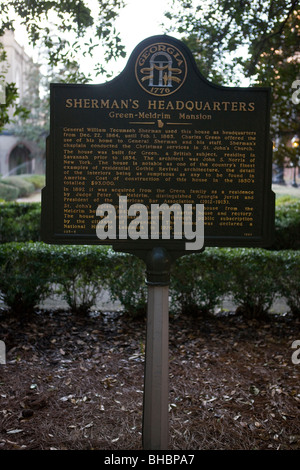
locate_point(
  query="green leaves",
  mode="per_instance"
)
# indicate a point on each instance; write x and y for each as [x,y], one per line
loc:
[230,24]
[19,222]
[24,276]
[287,226]
[199,282]
[11,96]
[289,276]
[52,25]
[127,283]
[31,271]
[233,39]
[251,277]
[81,273]
[250,280]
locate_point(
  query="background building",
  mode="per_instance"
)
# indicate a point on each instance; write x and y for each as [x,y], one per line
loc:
[18,154]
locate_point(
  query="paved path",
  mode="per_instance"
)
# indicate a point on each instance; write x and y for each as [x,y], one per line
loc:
[105,304]
[34,197]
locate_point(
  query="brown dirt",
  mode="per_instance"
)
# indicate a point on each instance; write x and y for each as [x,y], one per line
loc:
[77,383]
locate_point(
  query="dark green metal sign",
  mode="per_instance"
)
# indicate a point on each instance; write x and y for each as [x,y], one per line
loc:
[158,134]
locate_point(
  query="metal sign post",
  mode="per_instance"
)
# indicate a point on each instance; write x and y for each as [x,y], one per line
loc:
[156,386]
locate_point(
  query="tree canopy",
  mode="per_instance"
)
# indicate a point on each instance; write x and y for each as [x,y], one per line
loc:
[64,30]
[257,39]
[240,30]
[61,27]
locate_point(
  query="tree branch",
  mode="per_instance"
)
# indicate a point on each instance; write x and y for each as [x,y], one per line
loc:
[260,44]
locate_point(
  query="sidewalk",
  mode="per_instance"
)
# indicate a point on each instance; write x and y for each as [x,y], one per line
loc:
[105,304]
[34,197]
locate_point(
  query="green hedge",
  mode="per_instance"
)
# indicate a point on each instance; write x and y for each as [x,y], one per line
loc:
[126,283]
[20,222]
[8,192]
[201,281]
[25,277]
[38,181]
[288,275]
[198,283]
[80,274]
[29,272]
[23,223]
[287,226]
[13,187]
[252,279]
[25,187]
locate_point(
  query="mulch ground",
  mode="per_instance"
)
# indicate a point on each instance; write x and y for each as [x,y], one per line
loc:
[77,383]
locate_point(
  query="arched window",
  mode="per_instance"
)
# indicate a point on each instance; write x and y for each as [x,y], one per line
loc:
[20,160]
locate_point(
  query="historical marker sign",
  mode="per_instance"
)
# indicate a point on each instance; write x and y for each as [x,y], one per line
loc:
[158,141]
[159,133]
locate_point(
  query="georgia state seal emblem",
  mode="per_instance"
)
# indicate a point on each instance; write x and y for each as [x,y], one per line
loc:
[161,69]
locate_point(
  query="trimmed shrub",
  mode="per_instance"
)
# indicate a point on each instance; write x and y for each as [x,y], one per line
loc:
[287,226]
[288,276]
[25,187]
[19,222]
[127,283]
[251,279]
[198,282]
[38,181]
[8,192]
[251,276]
[29,272]
[80,273]
[285,199]
[25,278]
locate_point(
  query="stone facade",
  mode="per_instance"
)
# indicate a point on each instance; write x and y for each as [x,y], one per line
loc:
[17,155]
